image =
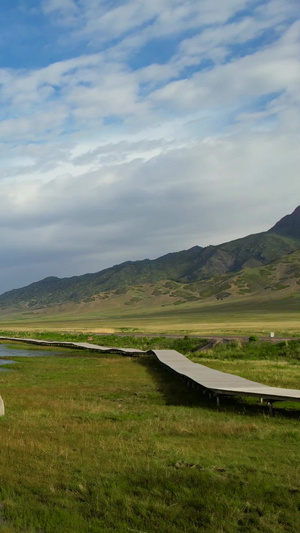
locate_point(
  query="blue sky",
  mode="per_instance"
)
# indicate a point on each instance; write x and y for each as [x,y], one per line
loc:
[130,129]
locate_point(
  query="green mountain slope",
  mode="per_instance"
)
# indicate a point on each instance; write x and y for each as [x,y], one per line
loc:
[231,269]
[251,251]
[288,225]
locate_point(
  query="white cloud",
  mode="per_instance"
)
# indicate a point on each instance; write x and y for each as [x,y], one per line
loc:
[66,12]
[156,203]
[238,84]
[103,159]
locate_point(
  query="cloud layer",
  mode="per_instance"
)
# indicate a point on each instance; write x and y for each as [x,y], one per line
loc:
[146,127]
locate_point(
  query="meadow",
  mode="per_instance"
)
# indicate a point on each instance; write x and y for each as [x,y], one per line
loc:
[106,443]
[241,316]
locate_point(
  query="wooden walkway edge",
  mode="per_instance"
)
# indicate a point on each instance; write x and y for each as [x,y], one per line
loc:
[77,345]
[220,383]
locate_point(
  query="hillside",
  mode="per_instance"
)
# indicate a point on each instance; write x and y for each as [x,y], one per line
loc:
[288,225]
[268,261]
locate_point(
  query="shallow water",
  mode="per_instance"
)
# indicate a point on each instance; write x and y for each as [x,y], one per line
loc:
[5,362]
[8,351]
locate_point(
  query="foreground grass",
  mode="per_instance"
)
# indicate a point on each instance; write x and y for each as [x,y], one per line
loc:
[106,443]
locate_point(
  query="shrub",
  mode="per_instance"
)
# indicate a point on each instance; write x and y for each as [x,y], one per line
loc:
[253,338]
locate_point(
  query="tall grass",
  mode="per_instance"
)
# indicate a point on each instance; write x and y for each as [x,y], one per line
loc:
[252,351]
[184,345]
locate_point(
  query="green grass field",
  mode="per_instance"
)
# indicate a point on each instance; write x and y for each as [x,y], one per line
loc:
[106,443]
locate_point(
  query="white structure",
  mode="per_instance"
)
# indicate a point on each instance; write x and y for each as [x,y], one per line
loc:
[1,407]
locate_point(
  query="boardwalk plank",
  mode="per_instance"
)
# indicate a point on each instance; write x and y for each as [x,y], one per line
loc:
[220,382]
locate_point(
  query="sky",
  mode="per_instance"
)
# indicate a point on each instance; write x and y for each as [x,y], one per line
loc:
[134,128]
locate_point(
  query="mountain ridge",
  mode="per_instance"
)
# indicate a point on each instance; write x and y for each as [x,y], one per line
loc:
[202,265]
[289,225]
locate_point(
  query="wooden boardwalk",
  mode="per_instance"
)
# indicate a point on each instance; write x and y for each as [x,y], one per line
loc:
[78,345]
[213,382]
[220,383]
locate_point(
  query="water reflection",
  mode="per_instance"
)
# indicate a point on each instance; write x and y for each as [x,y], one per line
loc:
[5,362]
[9,351]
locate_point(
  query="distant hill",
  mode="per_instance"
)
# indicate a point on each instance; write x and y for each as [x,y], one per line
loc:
[265,261]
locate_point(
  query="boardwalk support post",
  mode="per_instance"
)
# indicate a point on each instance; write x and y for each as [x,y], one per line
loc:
[270,405]
[218,401]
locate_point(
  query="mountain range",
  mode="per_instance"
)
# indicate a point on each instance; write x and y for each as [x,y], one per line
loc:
[256,264]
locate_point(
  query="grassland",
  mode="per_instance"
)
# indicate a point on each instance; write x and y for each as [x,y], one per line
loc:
[106,443]
[244,316]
